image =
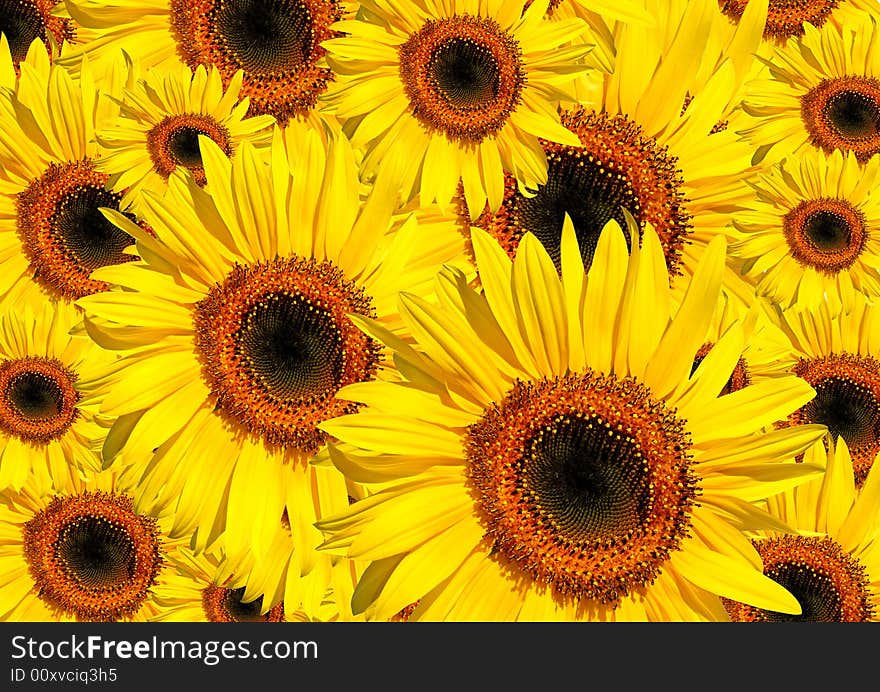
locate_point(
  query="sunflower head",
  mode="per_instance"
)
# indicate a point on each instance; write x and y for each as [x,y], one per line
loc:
[828,558]
[570,468]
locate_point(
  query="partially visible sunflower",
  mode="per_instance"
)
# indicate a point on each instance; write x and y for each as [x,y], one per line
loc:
[24,21]
[238,331]
[813,232]
[455,91]
[204,595]
[50,426]
[277,44]
[81,553]
[550,455]
[838,354]
[767,351]
[832,564]
[52,233]
[823,92]
[161,120]
[786,19]
[649,147]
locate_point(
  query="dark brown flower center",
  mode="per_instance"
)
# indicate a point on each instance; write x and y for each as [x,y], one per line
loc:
[277,43]
[463,76]
[175,142]
[226,605]
[37,399]
[844,113]
[583,483]
[91,556]
[276,343]
[830,584]
[614,169]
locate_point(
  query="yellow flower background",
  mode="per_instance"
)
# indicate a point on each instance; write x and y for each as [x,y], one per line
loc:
[439,310]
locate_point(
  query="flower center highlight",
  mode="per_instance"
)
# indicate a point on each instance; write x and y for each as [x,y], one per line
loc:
[277,43]
[175,142]
[276,344]
[615,168]
[64,234]
[847,395]
[827,234]
[463,76]
[829,584]
[24,21]
[37,399]
[583,483]
[785,18]
[844,113]
[91,556]
[226,605]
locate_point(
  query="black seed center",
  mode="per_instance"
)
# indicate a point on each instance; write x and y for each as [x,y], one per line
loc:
[589,194]
[85,232]
[819,600]
[847,408]
[266,37]
[829,232]
[96,553]
[292,347]
[464,73]
[183,144]
[853,115]
[35,396]
[22,24]
[242,612]
[591,484]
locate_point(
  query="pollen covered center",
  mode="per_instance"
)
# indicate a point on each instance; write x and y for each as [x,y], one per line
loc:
[616,168]
[91,556]
[785,18]
[63,232]
[844,113]
[276,344]
[37,399]
[830,584]
[226,605]
[847,395]
[826,234]
[583,483]
[24,21]
[175,142]
[277,44]
[463,76]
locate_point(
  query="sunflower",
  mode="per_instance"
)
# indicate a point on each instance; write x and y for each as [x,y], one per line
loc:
[767,350]
[813,232]
[650,147]
[839,356]
[214,591]
[823,92]
[832,564]
[80,553]
[483,507]
[24,21]
[276,44]
[239,330]
[206,596]
[52,234]
[161,119]
[786,19]
[451,91]
[50,426]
